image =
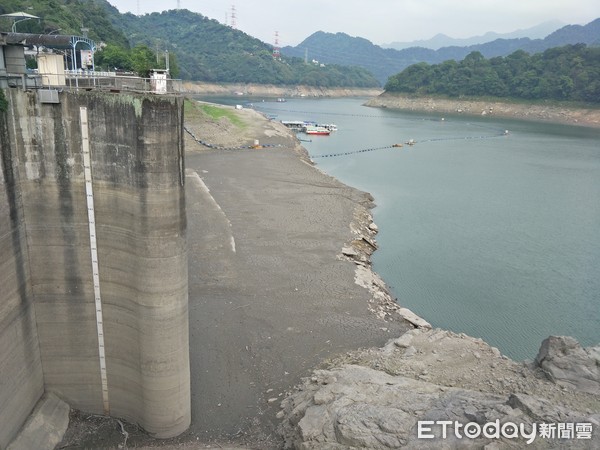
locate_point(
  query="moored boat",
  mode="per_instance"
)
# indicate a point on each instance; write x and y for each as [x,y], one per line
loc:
[329,126]
[316,130]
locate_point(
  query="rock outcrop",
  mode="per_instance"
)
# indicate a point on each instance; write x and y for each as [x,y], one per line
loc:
[359,251]
[565,362]
[400,396]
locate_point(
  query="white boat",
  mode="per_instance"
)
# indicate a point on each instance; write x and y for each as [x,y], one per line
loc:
[329,126]
[316,130]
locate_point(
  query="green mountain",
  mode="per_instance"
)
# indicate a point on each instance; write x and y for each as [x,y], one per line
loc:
[209,51]
[201,48]
[341,48]
[569,73]
[64,17]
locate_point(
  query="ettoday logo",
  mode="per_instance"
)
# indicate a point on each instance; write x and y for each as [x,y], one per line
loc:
[429,429]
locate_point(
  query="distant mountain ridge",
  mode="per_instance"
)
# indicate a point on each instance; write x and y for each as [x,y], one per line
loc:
[341,48]
[441,40]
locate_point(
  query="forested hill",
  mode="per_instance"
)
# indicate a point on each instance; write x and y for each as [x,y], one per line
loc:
[341,48]
[570,73]
[65,17]
[210,51]
[199,48]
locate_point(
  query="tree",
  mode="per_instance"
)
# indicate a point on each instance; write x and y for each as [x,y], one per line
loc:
[114,57]
[566,73]
[411,80]
[143,60]
[473,59]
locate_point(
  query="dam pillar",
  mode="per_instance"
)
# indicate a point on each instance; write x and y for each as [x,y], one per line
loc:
[131,359]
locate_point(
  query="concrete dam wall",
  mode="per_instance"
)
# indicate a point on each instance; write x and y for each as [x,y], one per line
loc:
[93,259]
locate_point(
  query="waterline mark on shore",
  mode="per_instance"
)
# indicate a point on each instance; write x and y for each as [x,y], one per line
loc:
[429,429]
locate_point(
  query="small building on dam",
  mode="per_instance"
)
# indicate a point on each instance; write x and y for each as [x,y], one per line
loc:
[93,255]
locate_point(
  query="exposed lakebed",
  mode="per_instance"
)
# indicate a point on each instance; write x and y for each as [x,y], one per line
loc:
[484,233]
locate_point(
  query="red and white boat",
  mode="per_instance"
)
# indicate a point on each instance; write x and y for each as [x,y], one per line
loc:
[317,131]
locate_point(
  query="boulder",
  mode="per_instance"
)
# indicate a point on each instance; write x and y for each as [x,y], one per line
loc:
[401,395]
[366,408]
[411,317]
[566,363]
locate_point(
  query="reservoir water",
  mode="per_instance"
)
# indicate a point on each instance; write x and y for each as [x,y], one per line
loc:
[493,235]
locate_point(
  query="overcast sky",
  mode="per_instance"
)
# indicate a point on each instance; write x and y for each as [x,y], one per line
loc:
[380,21]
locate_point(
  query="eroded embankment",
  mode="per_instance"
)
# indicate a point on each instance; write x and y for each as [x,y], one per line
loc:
[270,90]
[522,111]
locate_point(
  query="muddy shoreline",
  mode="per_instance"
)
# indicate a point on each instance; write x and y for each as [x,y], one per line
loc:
[568,115]
[274,91]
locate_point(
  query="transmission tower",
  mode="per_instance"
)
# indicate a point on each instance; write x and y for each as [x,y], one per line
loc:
[233,16]
[276,48]
[178,4]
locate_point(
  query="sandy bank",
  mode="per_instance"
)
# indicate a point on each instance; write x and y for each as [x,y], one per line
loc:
[266,90]
[535,112]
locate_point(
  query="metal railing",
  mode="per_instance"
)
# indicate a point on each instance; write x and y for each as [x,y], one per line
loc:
[88,80]
[113,82]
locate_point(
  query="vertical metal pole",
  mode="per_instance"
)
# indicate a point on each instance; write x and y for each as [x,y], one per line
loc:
[75,67]
[87,168]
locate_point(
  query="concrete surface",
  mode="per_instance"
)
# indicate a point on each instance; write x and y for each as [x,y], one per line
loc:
[48,335]
[21,377]
[45,427]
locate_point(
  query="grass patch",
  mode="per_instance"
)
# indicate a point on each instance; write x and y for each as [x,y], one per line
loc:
[194,109]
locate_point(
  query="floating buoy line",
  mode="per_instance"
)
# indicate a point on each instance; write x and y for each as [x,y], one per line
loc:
[409,143]
[353,152]
[387,147]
